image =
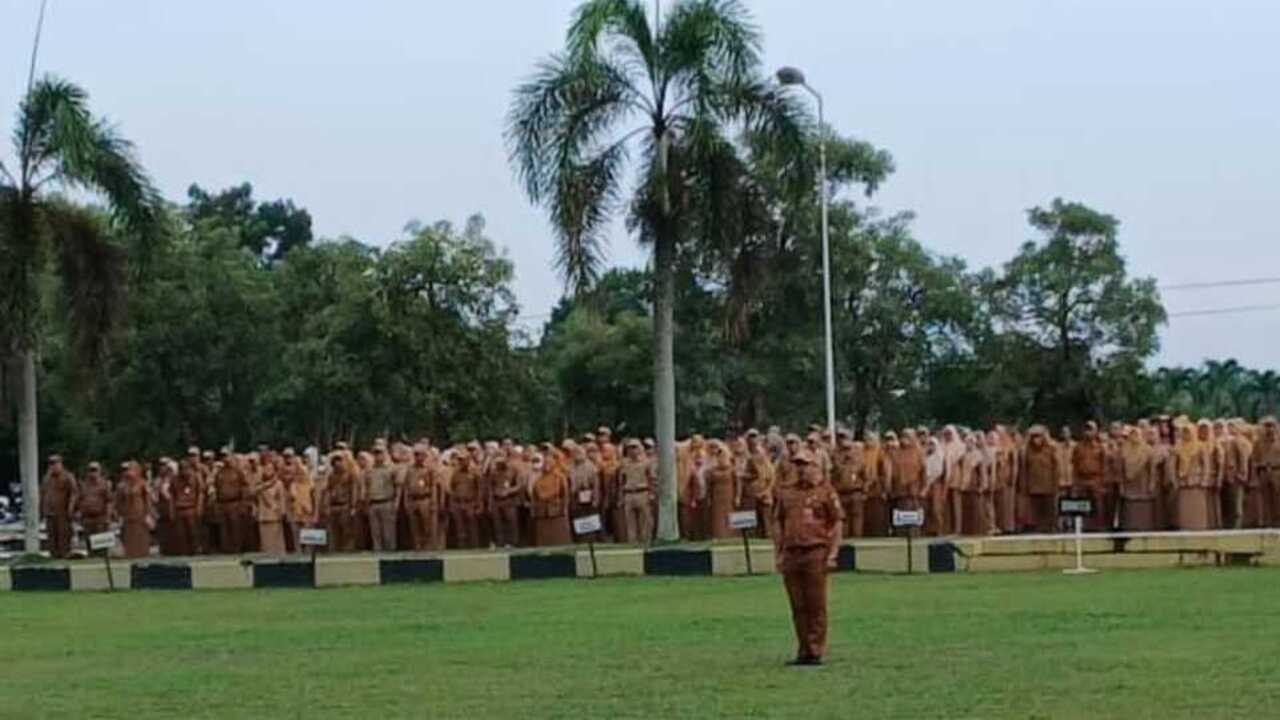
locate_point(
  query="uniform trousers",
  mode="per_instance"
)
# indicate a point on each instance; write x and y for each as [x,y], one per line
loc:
[804,572]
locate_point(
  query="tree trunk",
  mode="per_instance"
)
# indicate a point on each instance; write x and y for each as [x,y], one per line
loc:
[664,366]
[28,452]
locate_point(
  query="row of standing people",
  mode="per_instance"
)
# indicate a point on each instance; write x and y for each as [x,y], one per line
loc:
[1151,475]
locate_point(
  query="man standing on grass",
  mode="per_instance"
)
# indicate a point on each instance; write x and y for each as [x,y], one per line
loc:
[807,516]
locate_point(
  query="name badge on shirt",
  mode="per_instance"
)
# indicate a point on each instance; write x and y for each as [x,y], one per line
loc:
[584,496]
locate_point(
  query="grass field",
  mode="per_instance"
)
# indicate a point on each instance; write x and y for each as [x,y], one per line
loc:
[1136,644]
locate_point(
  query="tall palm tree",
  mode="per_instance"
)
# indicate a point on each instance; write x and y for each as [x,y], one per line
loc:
[679,92]
[1264,387]
[60,146]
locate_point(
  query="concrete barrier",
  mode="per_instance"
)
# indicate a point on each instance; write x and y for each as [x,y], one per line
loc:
[611,562]
[348,570]
[220,574]
[478,566]
[730,560]
[93,576]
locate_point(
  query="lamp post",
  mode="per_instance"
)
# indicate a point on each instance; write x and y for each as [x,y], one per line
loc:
[793,76]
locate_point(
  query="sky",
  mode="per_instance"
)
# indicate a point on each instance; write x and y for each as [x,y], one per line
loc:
[1163,113]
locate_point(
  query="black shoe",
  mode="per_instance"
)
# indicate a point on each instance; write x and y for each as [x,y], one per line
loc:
[804,662]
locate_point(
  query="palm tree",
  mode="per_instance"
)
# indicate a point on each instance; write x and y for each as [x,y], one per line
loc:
[59,145]
[680,91]
[1264,387]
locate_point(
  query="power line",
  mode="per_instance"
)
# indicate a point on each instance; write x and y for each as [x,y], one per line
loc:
[1221,283]
[1225,310]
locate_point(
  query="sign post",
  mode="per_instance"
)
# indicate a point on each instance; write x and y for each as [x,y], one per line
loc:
[909,519]
[313,538]
[589,525]
[743,521]
[1077,508]
[104,541]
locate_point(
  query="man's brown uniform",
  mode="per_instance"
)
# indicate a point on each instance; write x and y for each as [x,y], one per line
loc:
[808,520]
[57,500]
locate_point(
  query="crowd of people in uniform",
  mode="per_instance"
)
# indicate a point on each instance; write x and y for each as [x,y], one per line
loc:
[1154,474]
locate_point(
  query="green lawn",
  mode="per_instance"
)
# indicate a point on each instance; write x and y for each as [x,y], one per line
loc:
[1165,644]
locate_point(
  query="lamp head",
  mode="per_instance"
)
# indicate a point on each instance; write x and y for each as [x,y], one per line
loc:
[790,76]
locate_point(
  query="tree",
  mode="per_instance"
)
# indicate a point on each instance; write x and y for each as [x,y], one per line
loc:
[690,81]
[58,144]
[1081,320]
[268,230]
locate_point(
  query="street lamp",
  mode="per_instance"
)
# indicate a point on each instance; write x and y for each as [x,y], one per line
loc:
[793,76]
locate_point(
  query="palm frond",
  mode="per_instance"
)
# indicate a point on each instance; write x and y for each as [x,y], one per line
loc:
[93,281]
[706,43]
[559,114]
[622,21]
[586,195]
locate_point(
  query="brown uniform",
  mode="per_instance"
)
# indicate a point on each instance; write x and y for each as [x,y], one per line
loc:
[94,504]
[848,483]
[380,490]
[755,491]
[1040,467]
[231,489]
[549,507]
[1266,485]
[1137,486]
[509,495]
[423,500]
[133,501]
[270,499]
[637,489]
[908,476]
[466,502]
[339,509]
[57,500]
[186,494]
[585,492]
[1088,466]
[721,490]
[808,519]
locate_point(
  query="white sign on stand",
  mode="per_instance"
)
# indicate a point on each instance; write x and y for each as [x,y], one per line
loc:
[313,537]
[743,520]
[586,525]
[102,540]
[908,518]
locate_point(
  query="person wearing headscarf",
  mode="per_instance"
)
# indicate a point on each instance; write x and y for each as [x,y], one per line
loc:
[877,478]
[953,452]
[1266,472]
[1041,469]
[1191,473]
[1006,482]
[908,473]
[1088,469]
[973,471]
[133,503]
[271,504]
[721,483]
[299,496]
[848,482]
[1164,492]
[1138,483]
[1213,471]
[691,488]
[934,492]
[755,484]
[549,501]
